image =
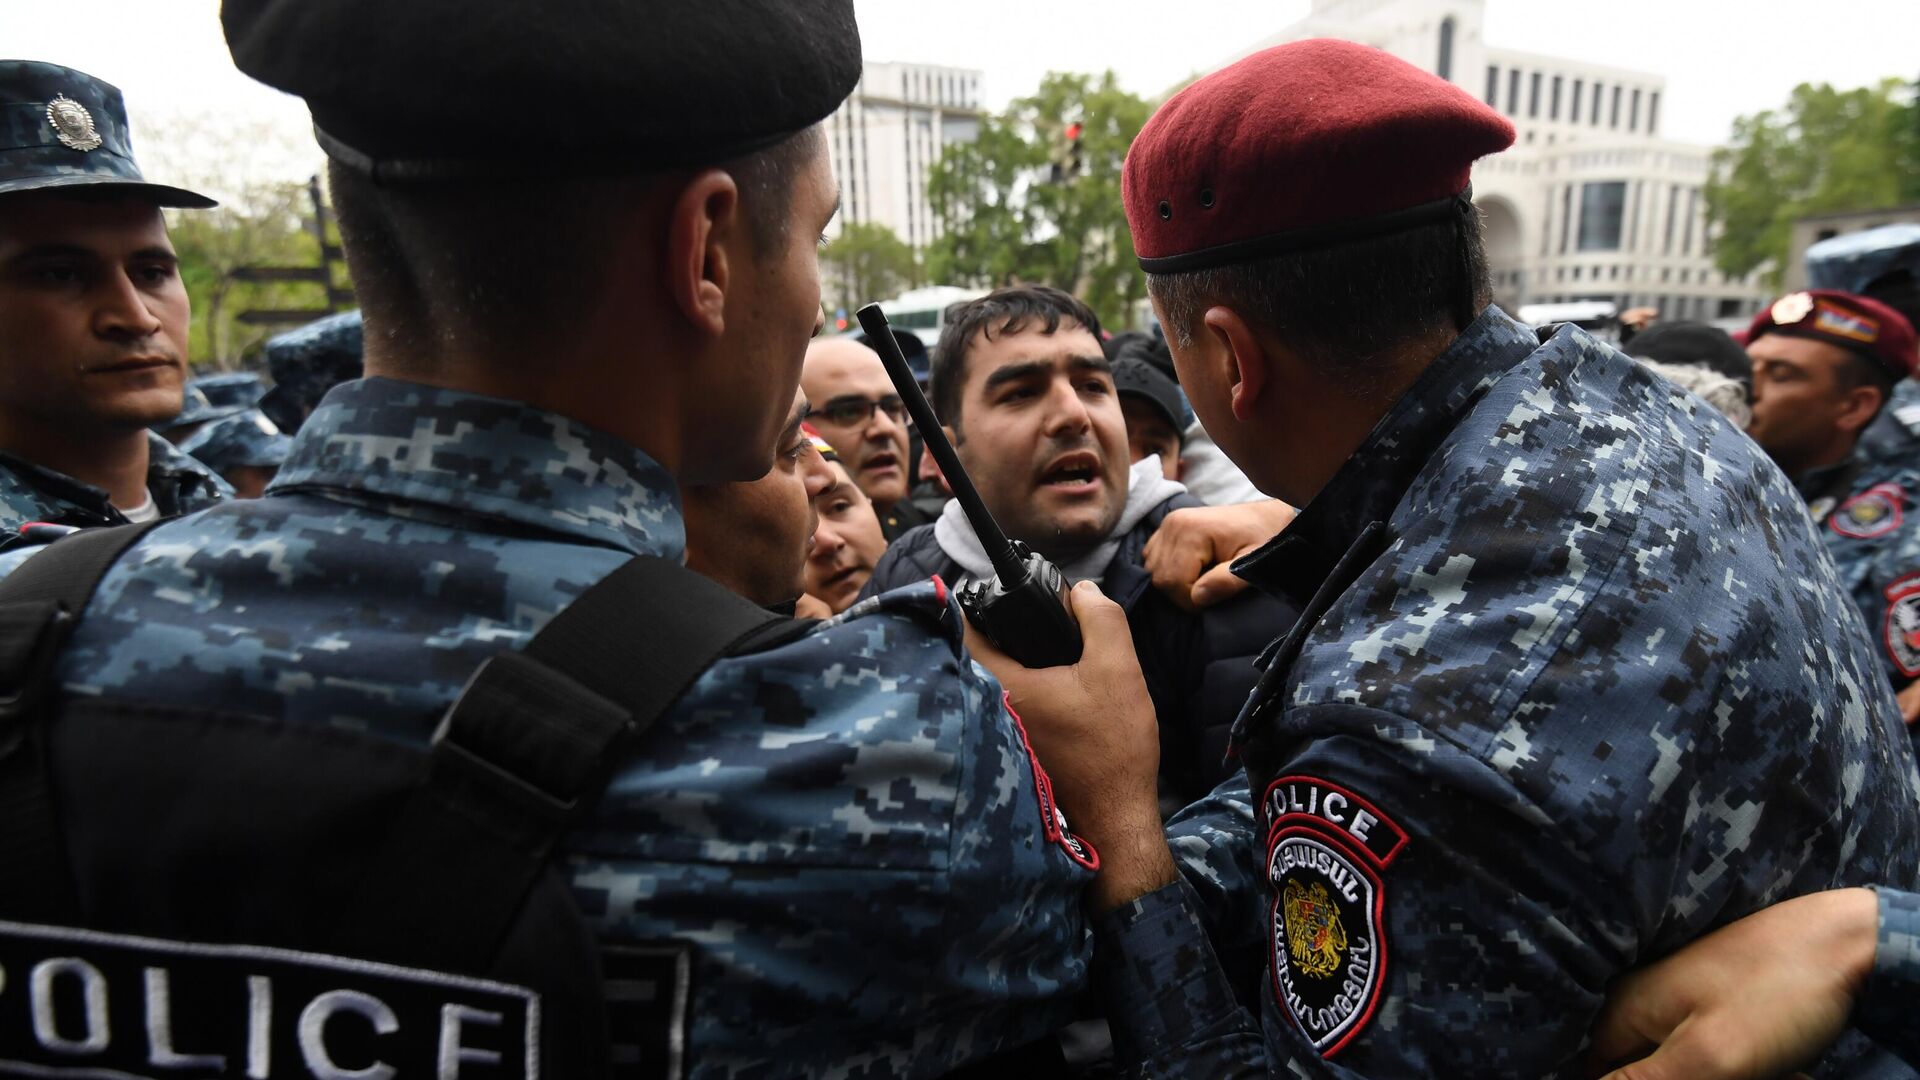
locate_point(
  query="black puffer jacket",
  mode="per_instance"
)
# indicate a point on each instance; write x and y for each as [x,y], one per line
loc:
[1199,668]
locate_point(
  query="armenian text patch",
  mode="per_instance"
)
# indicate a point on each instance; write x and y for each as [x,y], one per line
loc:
[1326,849]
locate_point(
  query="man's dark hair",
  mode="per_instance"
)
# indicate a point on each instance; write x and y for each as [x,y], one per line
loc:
[1002,311]
[1861,371]
[511,260]
[1348,309]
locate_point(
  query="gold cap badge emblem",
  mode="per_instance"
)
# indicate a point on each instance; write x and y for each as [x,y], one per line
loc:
[1791,308]
[72,124]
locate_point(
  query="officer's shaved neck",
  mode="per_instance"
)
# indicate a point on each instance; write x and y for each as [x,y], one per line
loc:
[1290,422]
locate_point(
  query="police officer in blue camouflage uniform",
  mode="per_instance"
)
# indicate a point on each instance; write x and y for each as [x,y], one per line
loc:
[93,315]
[583,238]
[210,398]
[246,449]
[1575,682]
[308,361]
[1824,366]
[1881,264]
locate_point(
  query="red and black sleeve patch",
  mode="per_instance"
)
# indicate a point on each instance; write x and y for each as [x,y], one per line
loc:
[1901,629]
[1327,851]
[1053,821]
[1873,513]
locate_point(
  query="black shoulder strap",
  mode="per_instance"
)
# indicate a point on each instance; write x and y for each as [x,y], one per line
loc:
[531,741]
[39,604]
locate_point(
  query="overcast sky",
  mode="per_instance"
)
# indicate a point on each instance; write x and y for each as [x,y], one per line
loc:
[1720,58]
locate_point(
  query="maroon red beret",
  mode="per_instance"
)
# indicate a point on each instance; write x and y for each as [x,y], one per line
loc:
[1301,145]
[1865,327]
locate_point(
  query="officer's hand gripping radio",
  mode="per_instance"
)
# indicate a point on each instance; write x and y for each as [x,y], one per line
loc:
[1022,609]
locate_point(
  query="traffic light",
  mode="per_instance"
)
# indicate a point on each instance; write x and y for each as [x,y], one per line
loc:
[1068,163]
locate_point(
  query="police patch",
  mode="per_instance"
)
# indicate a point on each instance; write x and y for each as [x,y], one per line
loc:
[1329,960]
[1872,513]
[1326,848]
[1902,628]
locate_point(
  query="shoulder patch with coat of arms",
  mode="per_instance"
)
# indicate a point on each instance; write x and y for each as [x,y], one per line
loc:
[1873,513]
[1326,850]
[1902,629]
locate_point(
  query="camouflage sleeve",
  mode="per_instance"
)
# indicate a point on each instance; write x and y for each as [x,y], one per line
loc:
[853,833]
[1171,1010]
[1213,845]
[1886,1008]
[1414,903]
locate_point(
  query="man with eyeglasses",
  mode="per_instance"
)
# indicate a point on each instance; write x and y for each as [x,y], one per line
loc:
[856,409]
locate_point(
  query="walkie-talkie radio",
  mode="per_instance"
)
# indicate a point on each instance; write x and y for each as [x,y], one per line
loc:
[1023,608]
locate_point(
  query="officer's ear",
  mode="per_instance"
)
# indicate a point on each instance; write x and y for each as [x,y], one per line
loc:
[1858,408]
[705,215]
[1249,364]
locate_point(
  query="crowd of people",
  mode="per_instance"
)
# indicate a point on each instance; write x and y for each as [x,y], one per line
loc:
[553,667]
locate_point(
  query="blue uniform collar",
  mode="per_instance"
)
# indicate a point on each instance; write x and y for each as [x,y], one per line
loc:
[1372,482]
[439,449]
[1833,481]
[178,484]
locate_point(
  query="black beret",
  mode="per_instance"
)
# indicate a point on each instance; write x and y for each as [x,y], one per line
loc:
[425,90]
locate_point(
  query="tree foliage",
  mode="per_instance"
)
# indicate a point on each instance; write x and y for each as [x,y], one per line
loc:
[1006,216]
[866,262]
[259,222]
[1827,150]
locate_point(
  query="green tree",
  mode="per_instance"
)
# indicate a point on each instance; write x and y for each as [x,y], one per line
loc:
[264,219]
[1827,150]
[866,262]
[1018,204]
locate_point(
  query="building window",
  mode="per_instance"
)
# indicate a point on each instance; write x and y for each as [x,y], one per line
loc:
[1513,92]
[1693,207]
[1598,93]
[1566,219]
[1613,115]
[1573,111]
[1445,68]
[1633,114]
[1673,214]
[1553,102]
[1493,85]
[1602,206]
[1653,113]
[1633,218]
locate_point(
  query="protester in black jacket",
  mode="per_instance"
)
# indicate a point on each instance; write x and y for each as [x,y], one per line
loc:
[1030,404]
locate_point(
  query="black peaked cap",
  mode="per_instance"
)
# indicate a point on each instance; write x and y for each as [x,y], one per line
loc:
[426,90]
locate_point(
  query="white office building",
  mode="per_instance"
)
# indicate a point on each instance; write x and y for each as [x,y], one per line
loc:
[1591,203]
[886,137]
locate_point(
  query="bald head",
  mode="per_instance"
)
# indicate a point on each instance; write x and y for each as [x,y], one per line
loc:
[843,379]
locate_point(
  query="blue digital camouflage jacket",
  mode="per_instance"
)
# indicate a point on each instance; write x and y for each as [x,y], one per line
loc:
[30,492]
[1575,683]
[1867,509]
[849,830]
